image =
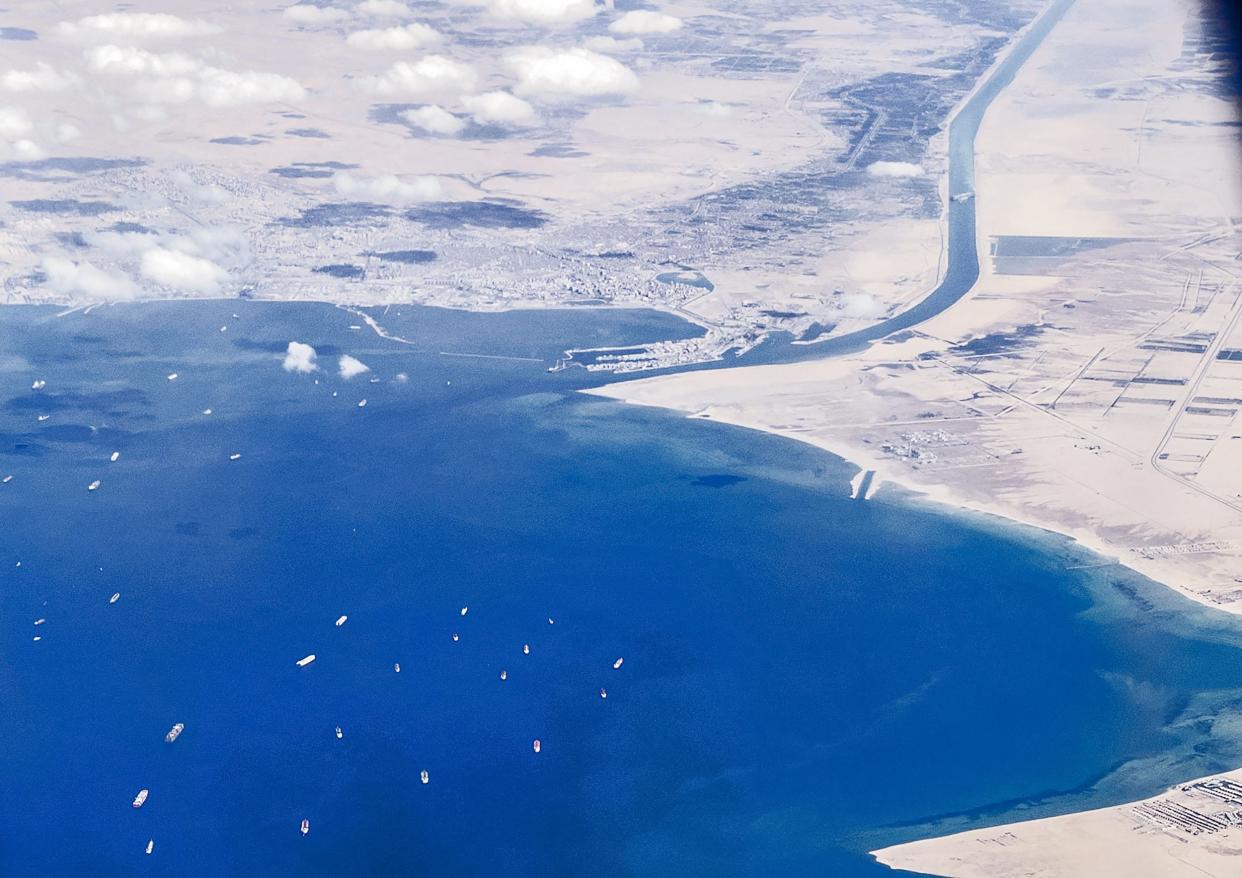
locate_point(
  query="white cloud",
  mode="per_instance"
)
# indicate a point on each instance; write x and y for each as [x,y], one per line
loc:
[388,189]
[349,367]
[136,25]
[299,357]
[859,305]
[181,271]
[119,245]
[219,244]
[434,120]
[224,245]
[569,73]
[434,74]
[23,150]
[227,88]
[410,36]
[714,108]
[895,169]
[201,193]
[14,123]
[304,13]
[85,279]
[173,78]
[44,77]
[383,8]
[131,60]
[611,45]
[500,108]
[644,21]
[543,11]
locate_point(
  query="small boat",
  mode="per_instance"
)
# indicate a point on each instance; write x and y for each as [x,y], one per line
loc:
[93,486]
[37,638]
[341,621]
[172,376]
[362,403]
[550,621]
[963,196]
[397,667]
[174,733]
[150,846]
[43,418]
[303,662]
[235,456]
[141,798]
[40,621]
[206,411]
[305,828]
[456,637]
[603,693]
[339,733]
[525,649]
[6,480]
[424,776]
[537,746]
[465,610]
[617,664]
[504,675]
[116,596]
[38,385]
[116,455]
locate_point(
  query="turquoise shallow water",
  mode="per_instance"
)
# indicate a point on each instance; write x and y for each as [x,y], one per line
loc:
[805,677]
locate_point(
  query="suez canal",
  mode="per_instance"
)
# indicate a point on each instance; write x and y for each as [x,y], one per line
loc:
[962,269]
[962,251]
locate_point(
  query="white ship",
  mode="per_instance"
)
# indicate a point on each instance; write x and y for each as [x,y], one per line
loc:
[93,486]
[175,732]
[618,663]
[43,418]
[116,455]
[172,376]
[362,403]
[504,675]
[150,846]
[603,693]
[339,733]
[305,828]
[397,667]
[537,746]
[235,456]
[303,662]
[424,776]
[116,596]
[141,798]
[963,196]
[38,385]
[341,621]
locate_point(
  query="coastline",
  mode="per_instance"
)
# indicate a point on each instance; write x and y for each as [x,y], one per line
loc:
[1191,585]
[1135,840]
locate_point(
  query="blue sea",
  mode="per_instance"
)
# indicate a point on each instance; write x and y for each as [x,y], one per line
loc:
[805,677]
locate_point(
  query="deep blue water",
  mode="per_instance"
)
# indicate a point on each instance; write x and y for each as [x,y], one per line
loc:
[805,676]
